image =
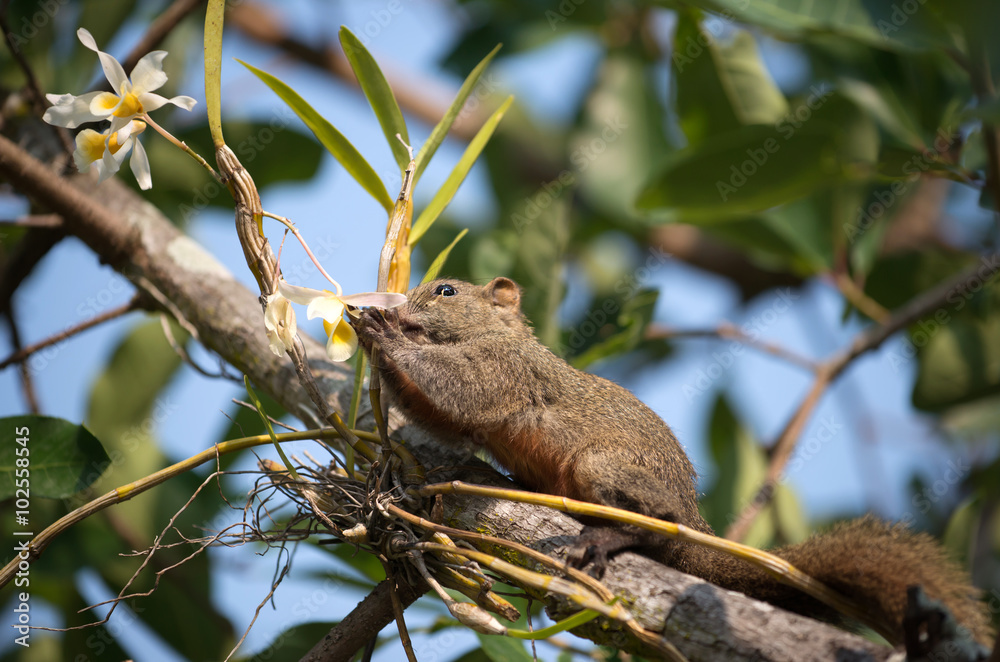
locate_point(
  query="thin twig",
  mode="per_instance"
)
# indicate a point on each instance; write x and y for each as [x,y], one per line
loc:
[732,332]
[22,354]
[38,100]
[649,638]
[27,383]
[129,490]
[865,341]
[159,29]
[857,298]
[397,609]
[35,221]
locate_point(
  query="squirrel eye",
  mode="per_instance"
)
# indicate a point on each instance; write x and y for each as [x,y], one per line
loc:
[446,290]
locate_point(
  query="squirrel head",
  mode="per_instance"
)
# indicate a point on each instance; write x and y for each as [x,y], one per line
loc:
[451,310]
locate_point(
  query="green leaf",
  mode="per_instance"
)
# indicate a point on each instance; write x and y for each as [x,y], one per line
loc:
[330,137]
[214,18]
[618,140]
[740,468]
[988,111]
[614,336]
[429,148]
[457,176]
[379,95]
[755,168]
[504,649]
[60,458]
[881,23]
[126,405]
[438,263]
[959,358]
[720,87]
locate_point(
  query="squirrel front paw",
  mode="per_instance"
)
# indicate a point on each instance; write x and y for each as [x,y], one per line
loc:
[375,326]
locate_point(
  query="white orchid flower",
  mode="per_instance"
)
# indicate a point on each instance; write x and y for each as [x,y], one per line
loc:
[279,320]
[132,97]
[342,342]
[105,151]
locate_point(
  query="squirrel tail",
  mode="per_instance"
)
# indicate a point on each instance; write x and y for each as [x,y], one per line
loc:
[868,560]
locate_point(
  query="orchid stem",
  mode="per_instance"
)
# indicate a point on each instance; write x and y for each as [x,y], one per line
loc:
[183,146]
[291,226]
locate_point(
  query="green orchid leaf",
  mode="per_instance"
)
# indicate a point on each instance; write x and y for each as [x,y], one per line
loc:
[48,457]
[379,95]
[428,149]
[457,176]
[438,263]
[330,137]
[213,68]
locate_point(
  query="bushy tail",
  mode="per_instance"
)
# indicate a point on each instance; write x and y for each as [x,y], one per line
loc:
[868,560]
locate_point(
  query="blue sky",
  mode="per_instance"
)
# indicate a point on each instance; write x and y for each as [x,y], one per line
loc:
[879,440]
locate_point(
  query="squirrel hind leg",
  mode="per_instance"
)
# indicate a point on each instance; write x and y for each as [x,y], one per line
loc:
[598,543]
[635,488]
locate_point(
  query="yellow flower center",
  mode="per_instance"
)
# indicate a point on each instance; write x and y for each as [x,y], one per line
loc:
[91,144]
[129,106]
[113,144]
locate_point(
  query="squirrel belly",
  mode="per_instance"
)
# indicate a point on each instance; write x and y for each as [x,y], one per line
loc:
[461,361]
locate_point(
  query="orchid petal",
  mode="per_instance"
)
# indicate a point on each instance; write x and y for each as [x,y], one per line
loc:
[104,104]
[300,295]
[119,123]
[111,163]
[151,101]
[71,111]
[90,147]
[112,68]
[329,308]
[342,343]
[279,320]
[148,73]
[374,299]
[140,166]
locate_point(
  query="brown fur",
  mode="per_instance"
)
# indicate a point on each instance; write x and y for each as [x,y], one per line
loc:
[468,367]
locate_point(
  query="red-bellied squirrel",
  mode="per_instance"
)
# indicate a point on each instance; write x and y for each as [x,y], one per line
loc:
[461,361]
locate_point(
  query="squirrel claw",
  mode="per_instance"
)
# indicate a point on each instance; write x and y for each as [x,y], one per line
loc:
[582,554]
[374,325]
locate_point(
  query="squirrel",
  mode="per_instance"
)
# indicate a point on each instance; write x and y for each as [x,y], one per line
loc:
[461,361]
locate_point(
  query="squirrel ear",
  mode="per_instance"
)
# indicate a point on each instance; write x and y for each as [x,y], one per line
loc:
[504,292]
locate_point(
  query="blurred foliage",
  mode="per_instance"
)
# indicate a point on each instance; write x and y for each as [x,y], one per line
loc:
[864,159]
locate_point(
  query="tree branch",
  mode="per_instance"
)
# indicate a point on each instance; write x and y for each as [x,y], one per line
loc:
[870,338]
